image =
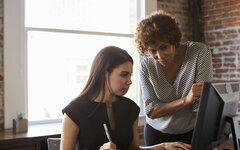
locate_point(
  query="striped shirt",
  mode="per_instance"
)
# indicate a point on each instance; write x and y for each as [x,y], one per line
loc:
[196,67]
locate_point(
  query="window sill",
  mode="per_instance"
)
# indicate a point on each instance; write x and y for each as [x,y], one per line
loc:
[34,131]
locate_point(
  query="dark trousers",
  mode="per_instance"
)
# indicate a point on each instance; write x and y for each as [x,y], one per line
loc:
[153,136]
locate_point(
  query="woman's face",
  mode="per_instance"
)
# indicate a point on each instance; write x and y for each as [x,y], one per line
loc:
[120,79]
[163,52]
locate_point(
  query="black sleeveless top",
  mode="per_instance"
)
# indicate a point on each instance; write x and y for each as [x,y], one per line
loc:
[91,134]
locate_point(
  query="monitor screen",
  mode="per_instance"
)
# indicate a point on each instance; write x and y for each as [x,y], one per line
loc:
[218,104]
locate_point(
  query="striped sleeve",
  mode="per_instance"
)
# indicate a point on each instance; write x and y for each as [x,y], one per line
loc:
[148,94]
[204,69]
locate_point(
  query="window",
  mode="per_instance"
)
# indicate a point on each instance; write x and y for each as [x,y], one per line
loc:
[48,53]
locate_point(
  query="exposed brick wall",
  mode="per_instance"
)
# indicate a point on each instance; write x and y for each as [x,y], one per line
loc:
[221,30]
[141,135]
[180,10]
[1,65]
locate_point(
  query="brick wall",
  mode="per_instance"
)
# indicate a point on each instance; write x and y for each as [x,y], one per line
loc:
[1,65]
[221,31]
[141,135]
[181,11]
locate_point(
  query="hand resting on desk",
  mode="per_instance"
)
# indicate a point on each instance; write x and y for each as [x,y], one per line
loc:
[162,146]
[224,147]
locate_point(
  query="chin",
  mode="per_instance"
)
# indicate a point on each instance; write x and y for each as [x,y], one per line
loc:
[121,94]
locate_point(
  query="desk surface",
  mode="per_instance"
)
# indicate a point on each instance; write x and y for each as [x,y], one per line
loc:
[34,131]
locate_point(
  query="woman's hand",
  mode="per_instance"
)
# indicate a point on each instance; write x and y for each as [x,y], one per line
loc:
[194,92]
[108,146]
[224,147]
[176,146]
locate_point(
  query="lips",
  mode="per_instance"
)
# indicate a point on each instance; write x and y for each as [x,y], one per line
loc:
[163,61]
[125,89]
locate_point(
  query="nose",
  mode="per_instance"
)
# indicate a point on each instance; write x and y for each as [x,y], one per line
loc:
[129,81]
[157,55]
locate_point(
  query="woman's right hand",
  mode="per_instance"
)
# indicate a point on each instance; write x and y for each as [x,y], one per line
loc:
[194,92]
[108,146]
[176,146]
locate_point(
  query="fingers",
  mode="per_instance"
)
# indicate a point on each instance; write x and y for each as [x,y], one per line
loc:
[108,146]
[198,85]
[181,145]
[224,147]
[195,92]
[176,146]
[197,88]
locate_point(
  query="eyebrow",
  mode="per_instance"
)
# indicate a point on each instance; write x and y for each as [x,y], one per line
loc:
[126,72]
[151,49]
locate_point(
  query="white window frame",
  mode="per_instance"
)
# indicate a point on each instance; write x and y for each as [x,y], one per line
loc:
[15,57]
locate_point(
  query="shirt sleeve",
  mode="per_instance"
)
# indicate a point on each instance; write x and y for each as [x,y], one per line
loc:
[204,70]
[136,111]
[72,111]
[147,91]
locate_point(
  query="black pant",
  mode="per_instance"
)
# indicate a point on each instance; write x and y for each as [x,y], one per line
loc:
[153,136]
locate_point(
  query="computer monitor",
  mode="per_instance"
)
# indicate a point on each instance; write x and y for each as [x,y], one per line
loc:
[217,116]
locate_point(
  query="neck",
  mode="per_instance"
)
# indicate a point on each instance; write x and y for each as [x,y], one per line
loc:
[180,53]
[107,98]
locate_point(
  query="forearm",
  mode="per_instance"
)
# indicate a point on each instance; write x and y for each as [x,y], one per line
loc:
[164,109]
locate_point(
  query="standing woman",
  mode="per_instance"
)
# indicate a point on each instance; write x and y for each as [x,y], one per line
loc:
[172,76]
[102,102]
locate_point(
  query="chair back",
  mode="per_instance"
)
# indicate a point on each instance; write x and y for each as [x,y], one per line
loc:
[54,144]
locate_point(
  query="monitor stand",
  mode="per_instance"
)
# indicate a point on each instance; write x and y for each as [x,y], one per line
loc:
[234,127]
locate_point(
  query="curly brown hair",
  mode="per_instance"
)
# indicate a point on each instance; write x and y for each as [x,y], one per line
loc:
[159,26]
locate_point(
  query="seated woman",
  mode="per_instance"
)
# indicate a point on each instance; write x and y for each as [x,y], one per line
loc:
[102,102]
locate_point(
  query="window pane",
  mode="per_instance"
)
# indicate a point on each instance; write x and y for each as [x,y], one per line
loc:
[58,67]
[92,15]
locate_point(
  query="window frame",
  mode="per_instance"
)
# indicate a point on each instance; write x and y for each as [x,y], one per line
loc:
[15,59]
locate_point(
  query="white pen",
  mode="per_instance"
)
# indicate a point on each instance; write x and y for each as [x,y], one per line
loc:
[107,132]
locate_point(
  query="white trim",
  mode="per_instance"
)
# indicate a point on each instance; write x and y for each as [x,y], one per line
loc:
[150,7]
[79,32]
[46,121]
[14,64]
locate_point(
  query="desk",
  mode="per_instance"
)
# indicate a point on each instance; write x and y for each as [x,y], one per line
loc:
[34,139]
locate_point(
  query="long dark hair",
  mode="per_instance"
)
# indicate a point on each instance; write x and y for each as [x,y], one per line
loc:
[105,61]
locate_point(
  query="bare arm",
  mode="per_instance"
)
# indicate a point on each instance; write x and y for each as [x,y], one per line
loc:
[135,141]
[164,109]
[69,133]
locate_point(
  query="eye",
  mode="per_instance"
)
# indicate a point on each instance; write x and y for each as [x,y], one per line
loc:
[152,51]
[163,47]
[124,74]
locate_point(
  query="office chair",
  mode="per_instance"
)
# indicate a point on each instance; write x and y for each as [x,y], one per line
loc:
[54,144]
